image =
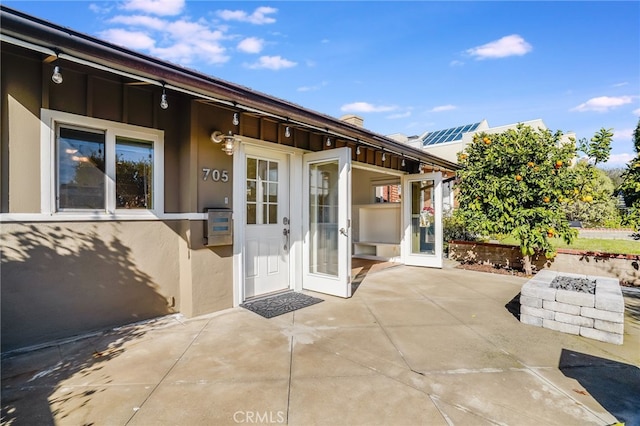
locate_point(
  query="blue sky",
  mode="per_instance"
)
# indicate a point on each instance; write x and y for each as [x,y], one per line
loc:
[405,67]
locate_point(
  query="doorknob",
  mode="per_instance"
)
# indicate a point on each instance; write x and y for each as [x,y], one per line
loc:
[344,232]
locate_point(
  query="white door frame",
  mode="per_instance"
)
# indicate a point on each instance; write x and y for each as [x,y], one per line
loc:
[239,213]
[408,257]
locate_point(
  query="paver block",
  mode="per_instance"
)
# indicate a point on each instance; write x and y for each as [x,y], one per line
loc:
[574,319]
[576,298]
[531,320]
[541,291]
[537,312]
[561,307]
[602,315]
[609,302]
[603,336]
[612,327]
[533,302]
[561,326]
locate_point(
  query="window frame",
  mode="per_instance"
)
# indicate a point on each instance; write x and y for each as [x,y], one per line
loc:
[50,122]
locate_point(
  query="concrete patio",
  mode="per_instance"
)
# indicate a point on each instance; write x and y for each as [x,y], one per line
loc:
[412,346]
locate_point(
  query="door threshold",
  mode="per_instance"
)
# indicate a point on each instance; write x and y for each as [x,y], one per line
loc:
[267,295]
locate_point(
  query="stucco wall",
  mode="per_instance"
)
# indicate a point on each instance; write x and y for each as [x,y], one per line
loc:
[64,279]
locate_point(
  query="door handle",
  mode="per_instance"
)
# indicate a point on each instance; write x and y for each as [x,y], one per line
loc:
[344,232]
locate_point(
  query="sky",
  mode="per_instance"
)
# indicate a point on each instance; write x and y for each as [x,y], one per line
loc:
[405,67]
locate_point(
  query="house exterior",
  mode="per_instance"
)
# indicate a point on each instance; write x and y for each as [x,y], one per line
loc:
[132,188]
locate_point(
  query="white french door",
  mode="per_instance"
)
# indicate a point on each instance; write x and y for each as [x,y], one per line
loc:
[326,219]
[266,217]
[422,219]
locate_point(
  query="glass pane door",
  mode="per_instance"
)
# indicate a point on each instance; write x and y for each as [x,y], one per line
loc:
[422,220]
[323,218]
[327,221]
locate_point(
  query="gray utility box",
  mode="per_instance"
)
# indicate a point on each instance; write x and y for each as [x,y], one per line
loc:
[219,227]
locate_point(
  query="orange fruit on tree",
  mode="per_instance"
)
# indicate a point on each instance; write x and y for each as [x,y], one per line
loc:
[530,164]
[518,178]
[486,140]
[546,199]
[558,164]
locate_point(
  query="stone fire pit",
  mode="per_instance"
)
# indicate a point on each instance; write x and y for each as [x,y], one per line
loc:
[598,315]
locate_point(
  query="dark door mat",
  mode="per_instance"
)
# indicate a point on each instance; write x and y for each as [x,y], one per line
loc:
[273,306]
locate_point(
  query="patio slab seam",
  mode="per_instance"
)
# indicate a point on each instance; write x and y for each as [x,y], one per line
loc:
[157,385]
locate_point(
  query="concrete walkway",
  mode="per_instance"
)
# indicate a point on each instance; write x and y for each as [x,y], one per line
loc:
[413,346]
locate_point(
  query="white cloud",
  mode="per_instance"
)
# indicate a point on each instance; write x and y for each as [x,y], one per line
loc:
[618,160]
[272,63]
[251,45]
[155,7]
[511,45]
[258,17]
[312,88]
[140,21]
[623,134]
[399,115]
[443,108]
[99,9]
[624,83]
[603,103]
[636,112]
[366,107]
[130,39]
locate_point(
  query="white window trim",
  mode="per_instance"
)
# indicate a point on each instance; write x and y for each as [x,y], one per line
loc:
[50,119]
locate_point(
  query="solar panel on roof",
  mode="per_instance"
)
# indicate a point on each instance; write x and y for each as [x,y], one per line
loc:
[448,135]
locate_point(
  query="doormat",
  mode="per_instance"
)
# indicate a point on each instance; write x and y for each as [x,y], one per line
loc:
[273,306]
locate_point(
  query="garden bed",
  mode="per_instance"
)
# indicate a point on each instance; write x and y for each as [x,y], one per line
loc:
[507,259]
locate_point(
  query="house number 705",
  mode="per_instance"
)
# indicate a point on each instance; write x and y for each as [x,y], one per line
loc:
[215,174]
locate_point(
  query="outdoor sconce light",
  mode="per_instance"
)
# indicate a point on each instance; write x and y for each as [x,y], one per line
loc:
[56,77]
[164,104]
[235,120]
[228,141]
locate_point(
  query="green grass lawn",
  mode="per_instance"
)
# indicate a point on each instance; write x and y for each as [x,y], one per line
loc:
[592,244]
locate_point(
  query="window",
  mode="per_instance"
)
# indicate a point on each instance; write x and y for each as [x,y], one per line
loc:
[100,166]
[262,192]
[387,191]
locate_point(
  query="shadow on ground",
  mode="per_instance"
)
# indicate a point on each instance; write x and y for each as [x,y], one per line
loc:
[615,385]
[514,306]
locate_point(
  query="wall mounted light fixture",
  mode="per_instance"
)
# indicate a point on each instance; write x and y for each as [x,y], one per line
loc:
[236,120]
[228,141]
[56,77]
[164,104]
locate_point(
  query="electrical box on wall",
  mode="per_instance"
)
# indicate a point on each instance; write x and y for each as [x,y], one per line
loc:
[219,227]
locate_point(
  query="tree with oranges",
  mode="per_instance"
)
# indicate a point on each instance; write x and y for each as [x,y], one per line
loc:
[514,183]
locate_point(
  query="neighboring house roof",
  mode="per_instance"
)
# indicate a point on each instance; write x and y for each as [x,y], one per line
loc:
[54,40]
[446,143]
[448,135]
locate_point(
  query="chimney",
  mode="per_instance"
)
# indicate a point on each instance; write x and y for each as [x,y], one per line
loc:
[353,119]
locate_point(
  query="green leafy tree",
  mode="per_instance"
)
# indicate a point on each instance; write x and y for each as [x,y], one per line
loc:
[599,147]
[595,203]
[630,187]
[514,182]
